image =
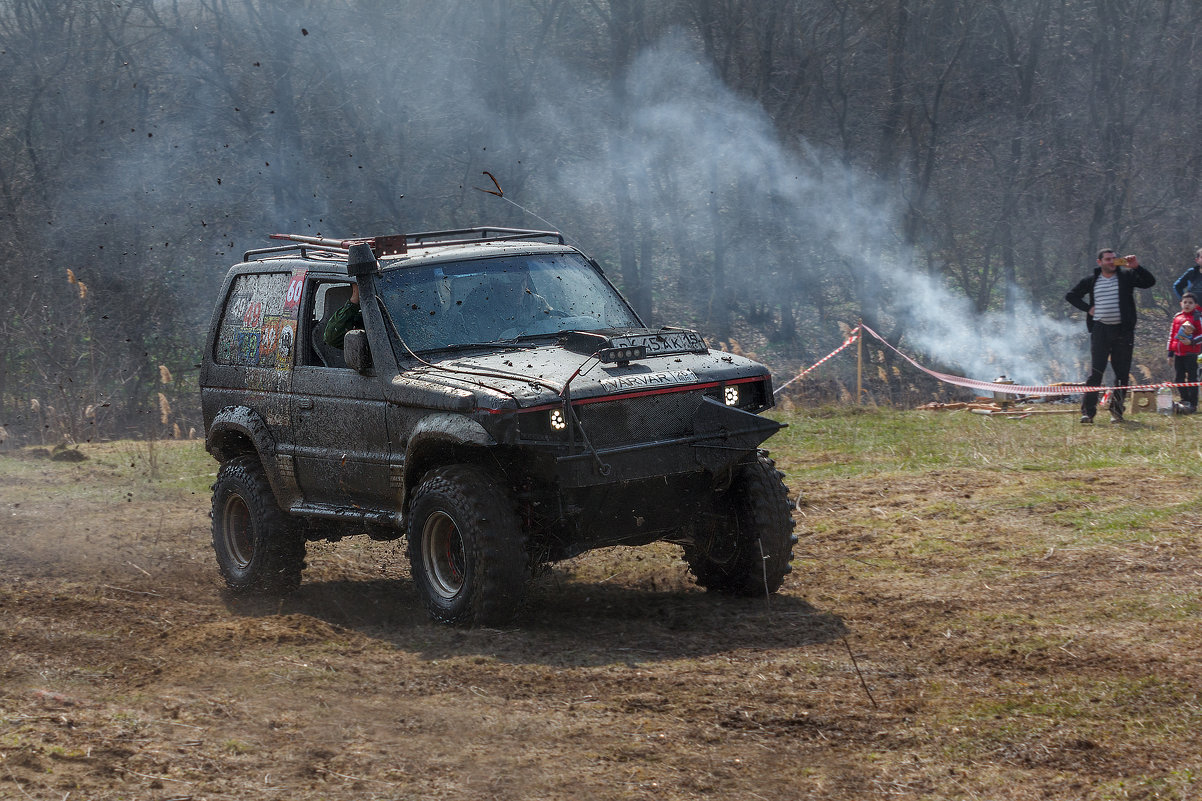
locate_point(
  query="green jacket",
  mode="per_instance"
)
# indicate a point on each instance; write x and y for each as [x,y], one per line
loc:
[345,319]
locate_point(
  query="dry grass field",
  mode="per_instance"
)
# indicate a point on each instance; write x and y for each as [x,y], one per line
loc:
[980,608]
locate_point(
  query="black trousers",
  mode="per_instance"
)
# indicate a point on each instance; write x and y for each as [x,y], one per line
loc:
[1186,369]
[1113,344]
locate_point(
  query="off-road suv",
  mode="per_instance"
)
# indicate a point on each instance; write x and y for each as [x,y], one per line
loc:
[500,404]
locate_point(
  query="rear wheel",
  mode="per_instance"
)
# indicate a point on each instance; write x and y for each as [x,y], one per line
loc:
[467,552]
[258,551]
[749,549]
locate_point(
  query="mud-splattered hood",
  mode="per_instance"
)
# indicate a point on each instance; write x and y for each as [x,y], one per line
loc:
[528,374]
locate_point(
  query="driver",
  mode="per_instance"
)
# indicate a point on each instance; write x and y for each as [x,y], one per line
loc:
[348,317]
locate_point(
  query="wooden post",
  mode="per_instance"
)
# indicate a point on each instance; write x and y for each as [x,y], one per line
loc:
[859,362]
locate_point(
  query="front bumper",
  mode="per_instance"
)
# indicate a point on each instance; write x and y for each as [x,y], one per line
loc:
[723,435]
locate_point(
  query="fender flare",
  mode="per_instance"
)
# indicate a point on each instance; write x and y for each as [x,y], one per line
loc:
[439,433]
[239,422]
[235,426]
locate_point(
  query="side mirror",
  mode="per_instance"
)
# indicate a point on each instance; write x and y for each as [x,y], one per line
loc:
[355,352]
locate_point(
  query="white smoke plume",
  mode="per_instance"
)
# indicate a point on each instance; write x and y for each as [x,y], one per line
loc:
[711,157]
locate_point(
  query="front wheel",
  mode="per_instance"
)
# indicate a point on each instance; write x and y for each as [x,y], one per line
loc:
[749,549]
[258,551]
[467,551]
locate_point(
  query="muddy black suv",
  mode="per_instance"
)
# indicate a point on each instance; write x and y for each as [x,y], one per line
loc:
[496,401]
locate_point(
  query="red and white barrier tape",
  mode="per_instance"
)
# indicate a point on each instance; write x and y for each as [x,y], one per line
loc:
[987,386]
[852,337]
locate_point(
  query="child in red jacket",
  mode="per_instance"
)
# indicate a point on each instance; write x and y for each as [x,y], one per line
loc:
[1185,343]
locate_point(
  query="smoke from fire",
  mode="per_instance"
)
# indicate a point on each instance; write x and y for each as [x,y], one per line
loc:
[697,155]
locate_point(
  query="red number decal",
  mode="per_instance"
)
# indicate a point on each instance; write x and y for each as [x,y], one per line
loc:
[295,288]
[253,316]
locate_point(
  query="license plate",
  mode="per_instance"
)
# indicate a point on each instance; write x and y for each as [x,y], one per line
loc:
[663,343]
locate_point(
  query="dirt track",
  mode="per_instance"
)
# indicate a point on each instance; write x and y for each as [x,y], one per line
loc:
[125,673]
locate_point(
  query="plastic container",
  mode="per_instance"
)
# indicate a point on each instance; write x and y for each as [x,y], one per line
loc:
[1164,400]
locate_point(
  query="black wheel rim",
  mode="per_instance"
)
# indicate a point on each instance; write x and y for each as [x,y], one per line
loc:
[236,532]
[443,555]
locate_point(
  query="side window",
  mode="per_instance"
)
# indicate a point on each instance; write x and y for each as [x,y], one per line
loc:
[258,327]
[325,298]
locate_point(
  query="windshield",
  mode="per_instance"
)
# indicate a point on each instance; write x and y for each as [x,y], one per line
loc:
[489,300]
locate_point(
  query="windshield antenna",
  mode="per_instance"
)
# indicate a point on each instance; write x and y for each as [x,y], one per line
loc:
[499,192]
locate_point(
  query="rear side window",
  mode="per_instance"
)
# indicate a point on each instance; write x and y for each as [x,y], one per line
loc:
[258,327]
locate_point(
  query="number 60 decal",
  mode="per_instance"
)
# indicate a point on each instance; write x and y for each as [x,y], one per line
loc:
[295,288]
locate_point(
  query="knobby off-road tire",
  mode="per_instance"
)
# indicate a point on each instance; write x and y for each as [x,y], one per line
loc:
[467,550]
[757,515]
[258,551]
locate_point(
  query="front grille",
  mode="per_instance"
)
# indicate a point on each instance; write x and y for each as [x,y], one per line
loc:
[633,420]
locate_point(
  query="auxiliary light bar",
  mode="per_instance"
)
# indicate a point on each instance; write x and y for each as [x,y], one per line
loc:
[621,355]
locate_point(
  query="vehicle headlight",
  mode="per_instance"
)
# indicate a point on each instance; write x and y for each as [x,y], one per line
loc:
[751,396]
[557,421]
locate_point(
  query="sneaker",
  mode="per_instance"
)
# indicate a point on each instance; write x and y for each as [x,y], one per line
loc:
[1086,419]
[1116,412]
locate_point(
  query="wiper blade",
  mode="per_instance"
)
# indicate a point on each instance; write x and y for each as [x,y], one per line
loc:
[544,335]
[500,343]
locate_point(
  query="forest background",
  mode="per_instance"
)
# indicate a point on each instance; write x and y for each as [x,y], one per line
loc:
[767,171]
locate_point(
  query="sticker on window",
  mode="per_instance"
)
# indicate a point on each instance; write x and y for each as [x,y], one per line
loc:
[258,328]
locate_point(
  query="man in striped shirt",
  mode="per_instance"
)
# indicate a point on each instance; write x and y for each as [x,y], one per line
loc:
[1110,319]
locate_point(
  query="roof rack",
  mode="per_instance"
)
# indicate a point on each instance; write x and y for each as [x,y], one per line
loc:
[397,244]
[304,251]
